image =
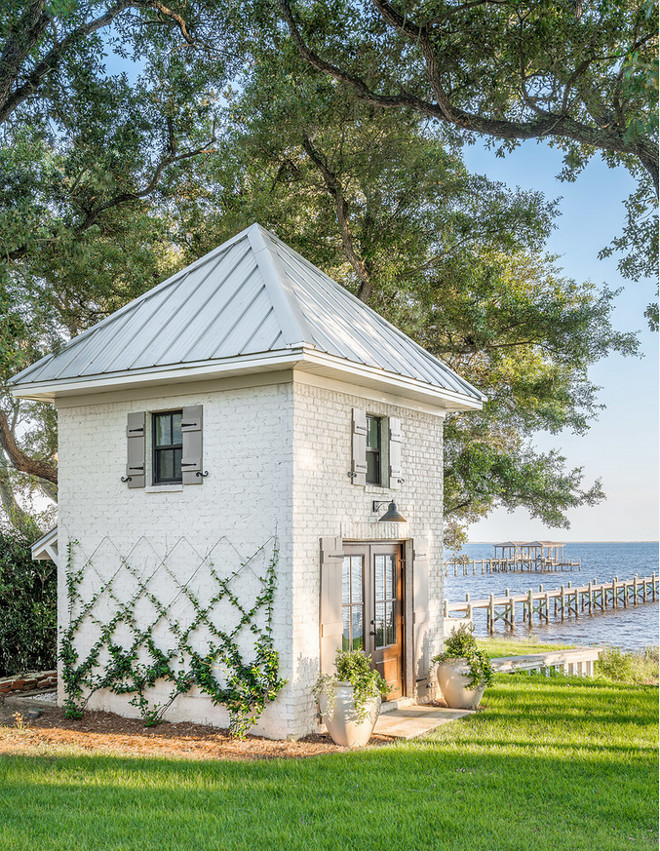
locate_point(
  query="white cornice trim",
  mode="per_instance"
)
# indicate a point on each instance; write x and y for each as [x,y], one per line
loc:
[304,358]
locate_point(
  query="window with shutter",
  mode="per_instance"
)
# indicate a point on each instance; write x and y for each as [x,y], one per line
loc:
[359,447]
[394,453]
[192,457]
[374,450]
[135,450]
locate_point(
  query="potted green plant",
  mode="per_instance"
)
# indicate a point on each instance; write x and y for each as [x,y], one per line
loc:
[349,699]
[463,670]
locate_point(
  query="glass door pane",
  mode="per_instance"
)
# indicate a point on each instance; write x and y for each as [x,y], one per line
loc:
[352,603]
[385,600]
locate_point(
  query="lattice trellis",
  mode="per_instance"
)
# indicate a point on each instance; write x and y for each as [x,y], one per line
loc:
[207,635]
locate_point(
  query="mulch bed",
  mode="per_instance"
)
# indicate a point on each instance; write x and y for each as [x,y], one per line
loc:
[105,732]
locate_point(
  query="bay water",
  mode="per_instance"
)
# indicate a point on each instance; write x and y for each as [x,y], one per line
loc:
[630,629]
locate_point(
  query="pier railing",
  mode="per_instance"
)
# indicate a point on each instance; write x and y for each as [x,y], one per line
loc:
[567,601]
[578,662]
[467,567]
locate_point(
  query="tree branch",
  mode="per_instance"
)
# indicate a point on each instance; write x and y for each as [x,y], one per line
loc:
[17,516]
[26,33]
[16,50]
[49,62]
[334,188]
[32,466]
[547,124]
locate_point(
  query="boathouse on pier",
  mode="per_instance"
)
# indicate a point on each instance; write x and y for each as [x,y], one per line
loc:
[530,555]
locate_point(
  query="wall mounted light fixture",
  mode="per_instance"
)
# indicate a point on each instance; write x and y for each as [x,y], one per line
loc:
[391,515]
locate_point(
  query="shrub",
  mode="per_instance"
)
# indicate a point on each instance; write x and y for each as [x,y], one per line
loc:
[638,668]
[28,608]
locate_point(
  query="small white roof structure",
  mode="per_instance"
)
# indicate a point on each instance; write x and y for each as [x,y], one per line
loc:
[45,549]
[253,304]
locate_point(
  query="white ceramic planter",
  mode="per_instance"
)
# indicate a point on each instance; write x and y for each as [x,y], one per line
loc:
[453,679]
[342,723]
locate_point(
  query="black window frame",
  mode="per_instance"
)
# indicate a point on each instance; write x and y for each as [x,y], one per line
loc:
[375,452]
[158,449]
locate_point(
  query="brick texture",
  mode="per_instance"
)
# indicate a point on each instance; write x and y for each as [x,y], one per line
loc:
[278,458]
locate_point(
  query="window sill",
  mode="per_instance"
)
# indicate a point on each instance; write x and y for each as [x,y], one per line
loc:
[376,489]
[163,488]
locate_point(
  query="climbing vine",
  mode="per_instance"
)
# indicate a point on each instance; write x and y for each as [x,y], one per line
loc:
[221,671]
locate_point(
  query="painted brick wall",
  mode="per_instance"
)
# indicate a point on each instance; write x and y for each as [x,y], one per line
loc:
[325,502]
[278,458]
[247,497]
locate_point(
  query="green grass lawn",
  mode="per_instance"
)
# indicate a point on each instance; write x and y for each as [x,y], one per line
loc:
[558,763]
[493,647]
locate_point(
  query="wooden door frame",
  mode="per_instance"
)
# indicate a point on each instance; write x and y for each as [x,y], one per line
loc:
[406,550]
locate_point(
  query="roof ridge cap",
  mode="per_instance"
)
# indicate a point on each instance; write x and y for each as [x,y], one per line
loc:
[283,299]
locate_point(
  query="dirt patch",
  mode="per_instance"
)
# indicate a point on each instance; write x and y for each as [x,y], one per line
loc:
[104,732]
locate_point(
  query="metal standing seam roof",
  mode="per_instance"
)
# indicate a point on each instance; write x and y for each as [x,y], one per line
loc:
[251,295]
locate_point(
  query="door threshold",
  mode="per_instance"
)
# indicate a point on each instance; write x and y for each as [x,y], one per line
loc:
[393,705]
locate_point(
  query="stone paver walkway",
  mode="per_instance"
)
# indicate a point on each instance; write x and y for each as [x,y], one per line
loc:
[412,721]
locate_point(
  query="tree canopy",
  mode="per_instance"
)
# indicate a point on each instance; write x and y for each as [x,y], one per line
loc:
[581,75]
[112,179]
[573,72]
[455,260]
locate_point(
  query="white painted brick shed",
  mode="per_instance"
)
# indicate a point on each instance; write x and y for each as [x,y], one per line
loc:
[249,400]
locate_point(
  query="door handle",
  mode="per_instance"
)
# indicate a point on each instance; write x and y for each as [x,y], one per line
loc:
[373,632]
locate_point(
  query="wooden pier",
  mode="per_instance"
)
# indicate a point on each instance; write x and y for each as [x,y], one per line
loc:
[559,603]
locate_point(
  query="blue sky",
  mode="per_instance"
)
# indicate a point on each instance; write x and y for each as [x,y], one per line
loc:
[622,445]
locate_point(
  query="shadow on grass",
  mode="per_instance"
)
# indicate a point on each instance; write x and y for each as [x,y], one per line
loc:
[415,796]
[493,782]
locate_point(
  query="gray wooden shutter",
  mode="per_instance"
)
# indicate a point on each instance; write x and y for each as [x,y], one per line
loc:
[191,452]
[332,559]
[421,615]
[359,445]
[135,449]
[395,453]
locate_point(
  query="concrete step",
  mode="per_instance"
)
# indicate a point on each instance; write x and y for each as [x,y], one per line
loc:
[412,721]
[393,705]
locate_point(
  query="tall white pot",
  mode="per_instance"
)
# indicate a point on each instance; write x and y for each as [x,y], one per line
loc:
[453,679]
[341,720]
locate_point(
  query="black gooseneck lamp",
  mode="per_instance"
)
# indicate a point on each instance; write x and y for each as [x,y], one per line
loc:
[391,515]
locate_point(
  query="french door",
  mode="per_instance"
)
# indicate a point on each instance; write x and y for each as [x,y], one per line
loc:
[372,607]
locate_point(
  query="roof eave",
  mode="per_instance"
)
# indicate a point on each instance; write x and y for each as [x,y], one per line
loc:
[49,391]
[45,549]
[303,357]
[402,385]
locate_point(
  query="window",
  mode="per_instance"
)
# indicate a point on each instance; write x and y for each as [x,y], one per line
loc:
[352,605]
[385,600]
[374,450]
[167,446]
